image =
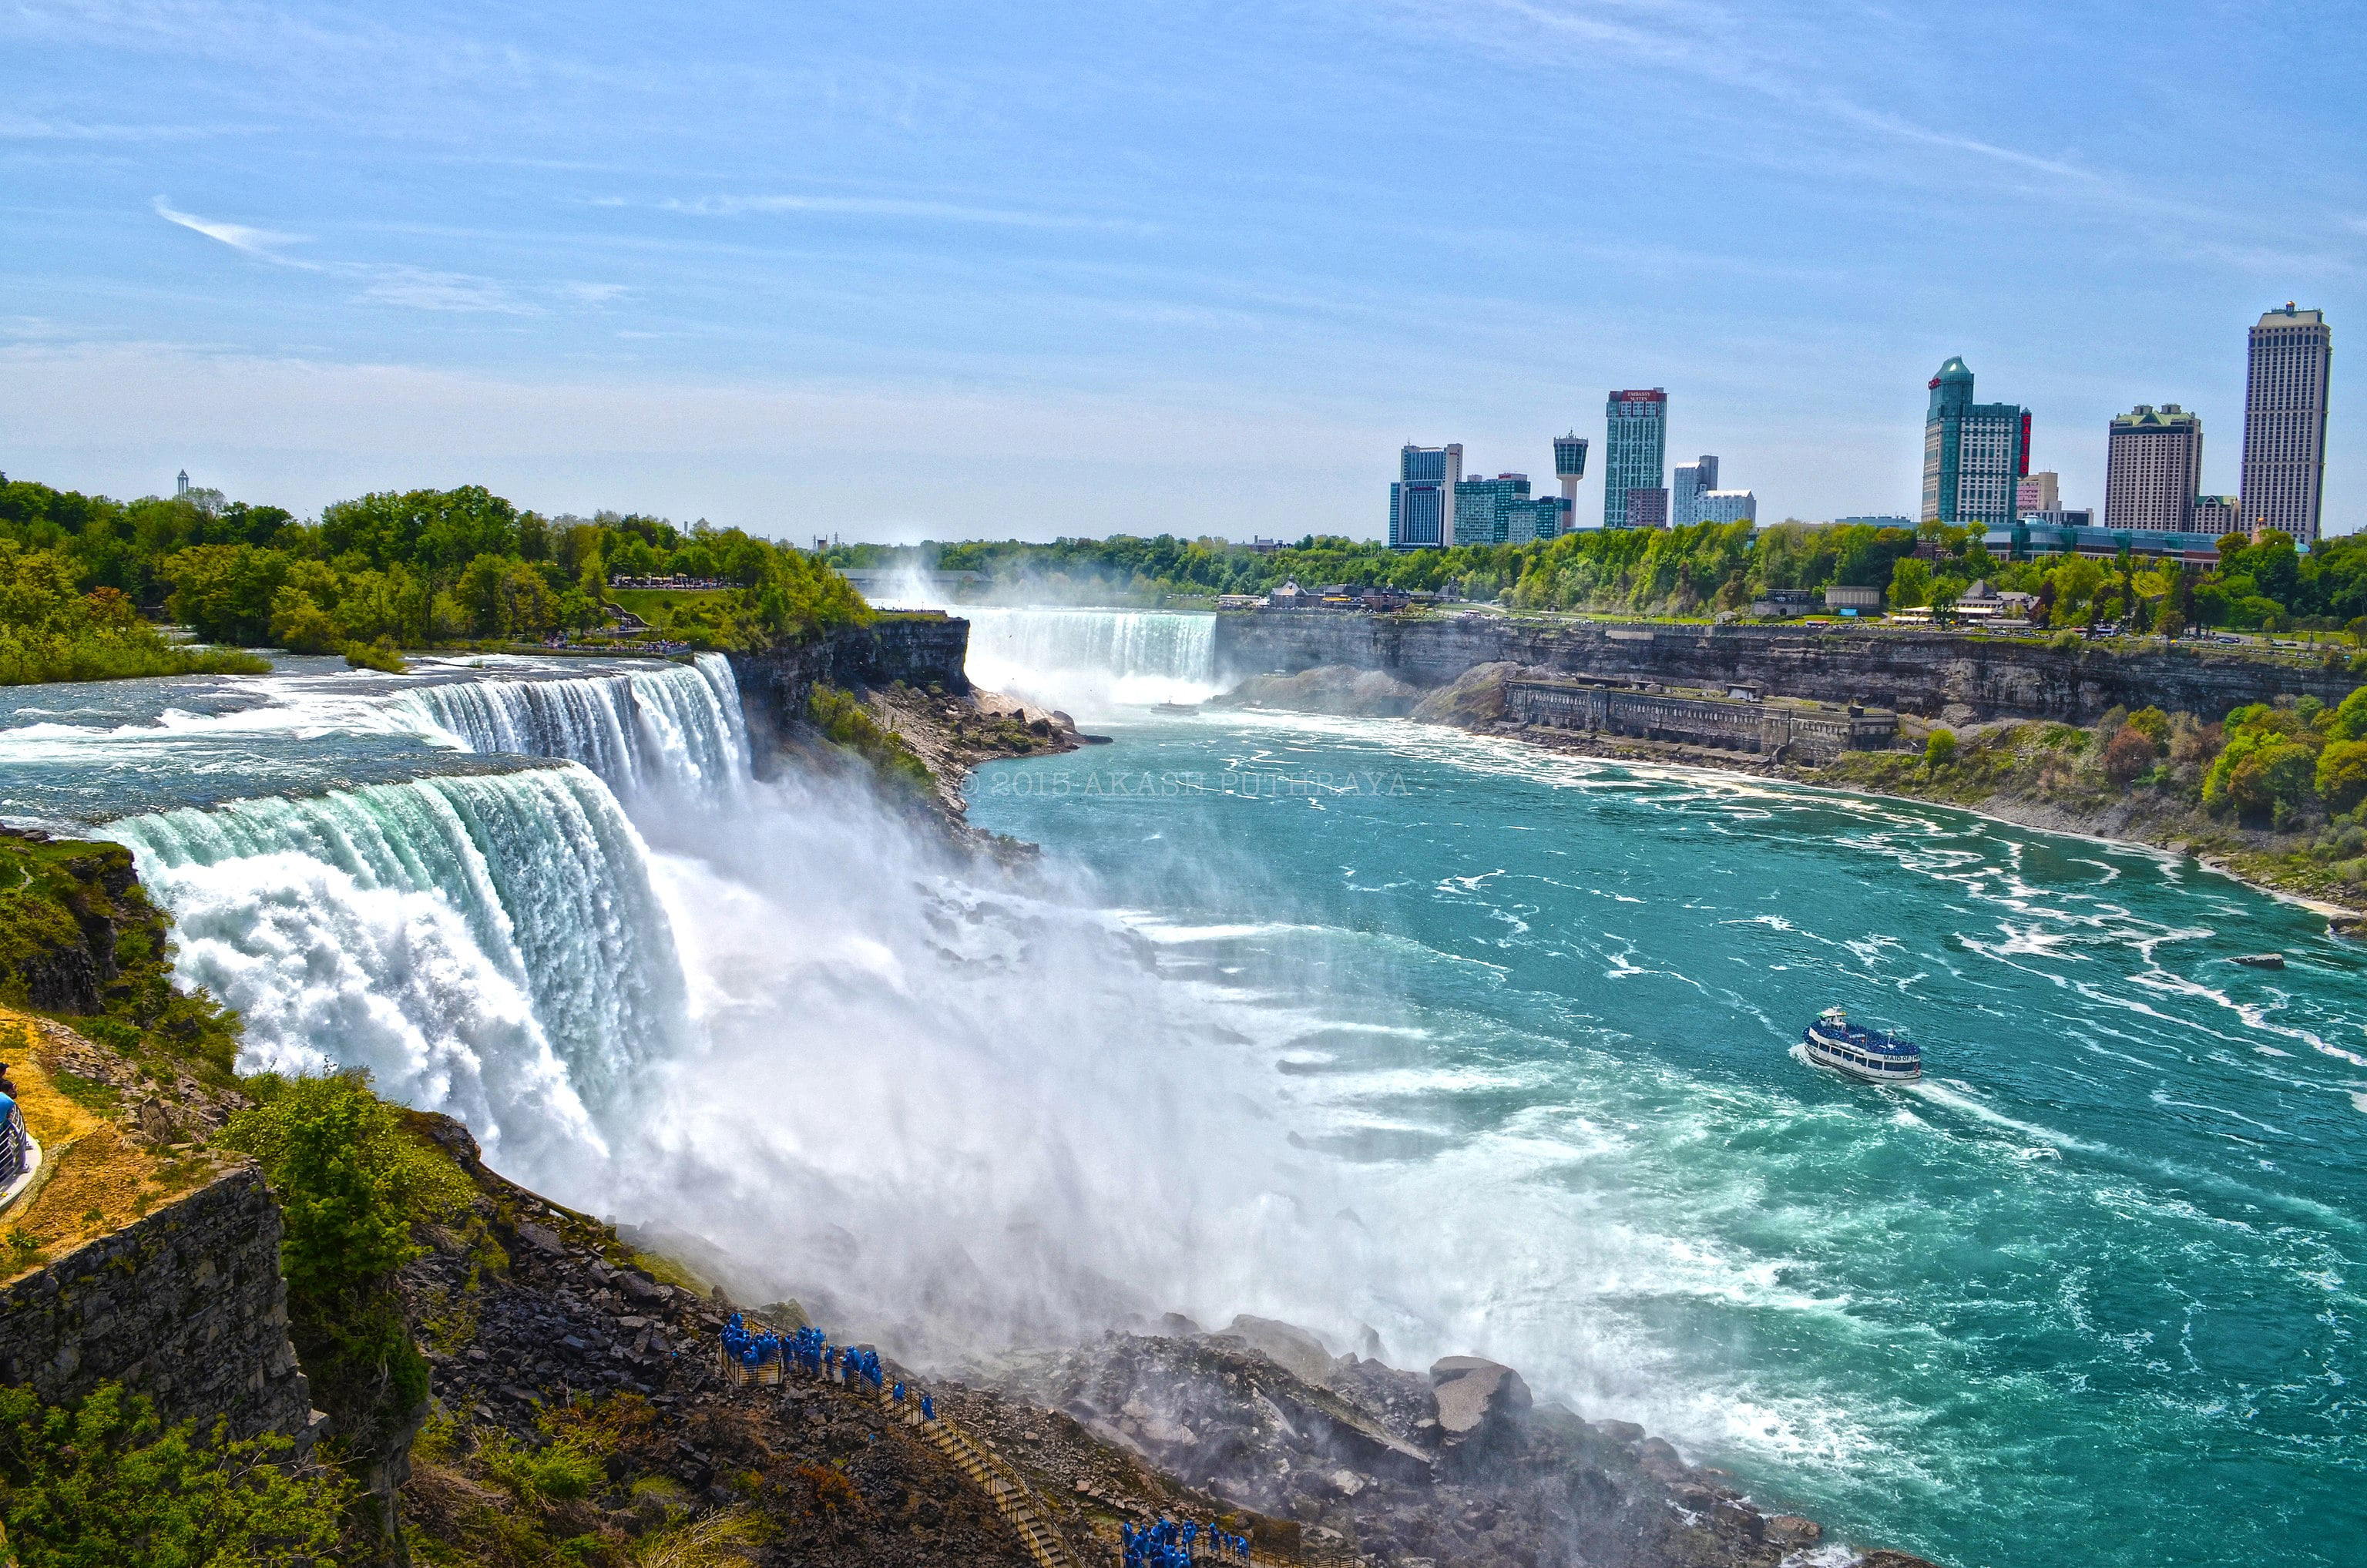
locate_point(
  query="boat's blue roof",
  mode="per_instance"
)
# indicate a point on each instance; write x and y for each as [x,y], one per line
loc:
[1873,1041]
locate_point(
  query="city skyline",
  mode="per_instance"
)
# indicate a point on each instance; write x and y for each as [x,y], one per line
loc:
[943,278]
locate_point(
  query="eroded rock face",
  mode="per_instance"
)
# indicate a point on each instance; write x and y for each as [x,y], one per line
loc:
[1478,1401]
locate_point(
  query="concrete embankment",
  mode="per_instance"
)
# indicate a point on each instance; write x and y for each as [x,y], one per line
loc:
[1958,676]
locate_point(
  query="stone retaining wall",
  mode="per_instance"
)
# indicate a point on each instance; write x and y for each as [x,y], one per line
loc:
[185,1306]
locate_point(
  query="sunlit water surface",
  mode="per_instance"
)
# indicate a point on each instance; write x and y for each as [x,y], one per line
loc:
[2089,1293]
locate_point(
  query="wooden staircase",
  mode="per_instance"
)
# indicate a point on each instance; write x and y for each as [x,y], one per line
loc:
[1012,1498]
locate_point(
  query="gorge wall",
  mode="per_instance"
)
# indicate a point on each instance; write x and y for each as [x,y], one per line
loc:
[185,1306]
[920,649]
[1935,674]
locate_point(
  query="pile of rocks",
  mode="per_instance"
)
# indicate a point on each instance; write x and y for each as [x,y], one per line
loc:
[1462,1466]
[562,1312]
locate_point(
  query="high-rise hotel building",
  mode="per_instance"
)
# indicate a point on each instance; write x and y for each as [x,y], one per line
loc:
[2284,422]
[1694,480]
[1975,454]
[1422,501]
[2153,466]
[1635,459]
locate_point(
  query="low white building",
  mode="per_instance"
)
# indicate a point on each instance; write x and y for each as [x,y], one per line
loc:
[1727,506]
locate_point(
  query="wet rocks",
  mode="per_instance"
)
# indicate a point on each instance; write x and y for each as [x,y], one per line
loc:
[1478,1401]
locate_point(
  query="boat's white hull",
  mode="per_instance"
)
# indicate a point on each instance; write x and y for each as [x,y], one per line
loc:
[1855,1065]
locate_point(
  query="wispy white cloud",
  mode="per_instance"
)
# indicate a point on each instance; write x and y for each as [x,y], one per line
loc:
[262,244]
[394,283]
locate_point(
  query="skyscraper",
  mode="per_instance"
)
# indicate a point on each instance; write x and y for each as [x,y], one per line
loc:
[2284,422]
[1482,507]
[1694,480]
[1421,500]
[1635,456]
[2153,466]
[1570,466]
[1973,452]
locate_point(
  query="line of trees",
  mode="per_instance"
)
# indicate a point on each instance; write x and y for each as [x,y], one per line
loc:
[1702,568]
[418,568]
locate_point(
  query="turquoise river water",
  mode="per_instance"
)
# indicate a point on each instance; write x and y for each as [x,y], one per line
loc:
[2089,1293]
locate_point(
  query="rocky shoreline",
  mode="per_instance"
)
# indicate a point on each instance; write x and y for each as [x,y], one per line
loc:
[1475,703]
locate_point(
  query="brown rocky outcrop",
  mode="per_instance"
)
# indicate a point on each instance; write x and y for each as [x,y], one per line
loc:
[1958,674]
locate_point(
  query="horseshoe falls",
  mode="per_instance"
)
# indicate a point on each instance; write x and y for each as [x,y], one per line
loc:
[1092,662]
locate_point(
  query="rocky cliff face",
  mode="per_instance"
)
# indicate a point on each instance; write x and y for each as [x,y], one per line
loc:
[185,1306]
[1936,674]
[921,651]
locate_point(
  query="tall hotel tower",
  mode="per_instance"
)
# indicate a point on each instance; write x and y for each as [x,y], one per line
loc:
[1635,459]
[1975,454]
[2153,466]
[1421,502]
[2284,422]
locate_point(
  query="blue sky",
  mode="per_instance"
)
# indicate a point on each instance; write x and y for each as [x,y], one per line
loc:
[952,270]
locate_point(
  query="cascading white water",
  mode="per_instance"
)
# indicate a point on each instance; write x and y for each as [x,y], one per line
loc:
[669,727]
[1093,661]
[955,1108]
[488,946]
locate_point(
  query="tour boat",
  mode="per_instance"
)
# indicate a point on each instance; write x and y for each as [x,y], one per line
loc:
[1833,1041]
[1174,707]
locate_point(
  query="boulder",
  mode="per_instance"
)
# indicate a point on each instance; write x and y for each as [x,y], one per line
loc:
[1292,1348]
[1477,1398]
[1791,1529]
[541,1238]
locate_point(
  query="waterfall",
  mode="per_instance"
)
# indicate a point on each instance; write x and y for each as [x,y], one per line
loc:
[671,727]
[490,946]
[1093,661]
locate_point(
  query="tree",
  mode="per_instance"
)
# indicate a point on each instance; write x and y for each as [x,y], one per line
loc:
[351,1182]
[2129,756]
[300,625]
[2342,776]
[224,592]
[102,1482]
[1910,583]
[1940,749]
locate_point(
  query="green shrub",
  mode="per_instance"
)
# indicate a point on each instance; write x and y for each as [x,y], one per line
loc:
[352,1180]
[379,656]
[847,722]
[1940,750]
[559,1471]
[103,1484]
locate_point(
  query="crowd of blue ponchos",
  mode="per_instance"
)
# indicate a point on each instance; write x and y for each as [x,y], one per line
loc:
[1171,1545]
[809,1351]
[1166,1544]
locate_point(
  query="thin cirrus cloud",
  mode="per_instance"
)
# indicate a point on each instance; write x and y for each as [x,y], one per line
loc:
[394,283]
[892,206]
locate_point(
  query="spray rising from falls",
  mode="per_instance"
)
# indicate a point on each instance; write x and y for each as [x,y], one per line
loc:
[954,1107]
[1093,661]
